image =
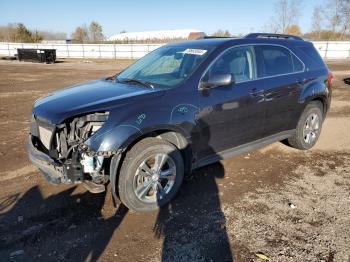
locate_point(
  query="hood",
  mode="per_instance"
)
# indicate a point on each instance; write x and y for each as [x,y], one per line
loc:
[83,98]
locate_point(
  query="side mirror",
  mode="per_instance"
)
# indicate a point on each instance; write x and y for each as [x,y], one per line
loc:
[217,80]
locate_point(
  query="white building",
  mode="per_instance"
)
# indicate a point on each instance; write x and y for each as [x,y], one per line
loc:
[162,34]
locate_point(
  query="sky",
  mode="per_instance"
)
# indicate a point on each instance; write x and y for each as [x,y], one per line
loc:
[136,15]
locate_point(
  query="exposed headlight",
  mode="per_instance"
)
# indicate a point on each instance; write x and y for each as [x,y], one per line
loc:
[86,126]
[75,131]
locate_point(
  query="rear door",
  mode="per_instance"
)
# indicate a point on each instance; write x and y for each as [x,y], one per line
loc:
[283,76]
[231,115]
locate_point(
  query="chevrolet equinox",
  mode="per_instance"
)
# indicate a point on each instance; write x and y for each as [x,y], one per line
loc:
[182,106]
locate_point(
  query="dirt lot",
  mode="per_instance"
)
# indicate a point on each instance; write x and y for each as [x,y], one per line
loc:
[287,204]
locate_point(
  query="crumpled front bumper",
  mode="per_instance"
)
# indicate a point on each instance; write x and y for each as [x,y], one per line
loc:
[52,171]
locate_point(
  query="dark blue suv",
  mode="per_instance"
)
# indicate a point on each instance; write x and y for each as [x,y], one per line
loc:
[183,106]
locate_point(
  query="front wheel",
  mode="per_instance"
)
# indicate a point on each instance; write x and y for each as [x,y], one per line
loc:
[151,175]
[309,127]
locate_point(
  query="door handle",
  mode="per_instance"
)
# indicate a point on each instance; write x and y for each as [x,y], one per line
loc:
[301,81]
[256,92]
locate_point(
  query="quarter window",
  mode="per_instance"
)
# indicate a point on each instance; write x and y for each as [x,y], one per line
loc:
[240,62]
[315,61]
[298,66]
[278,60]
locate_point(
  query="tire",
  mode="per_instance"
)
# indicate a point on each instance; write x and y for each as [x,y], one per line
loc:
[137,173]
[311,114]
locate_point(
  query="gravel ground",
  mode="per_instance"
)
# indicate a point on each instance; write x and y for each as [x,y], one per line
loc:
[307,220]
[285,204]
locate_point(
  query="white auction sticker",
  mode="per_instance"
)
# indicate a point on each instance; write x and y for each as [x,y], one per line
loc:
[192,51]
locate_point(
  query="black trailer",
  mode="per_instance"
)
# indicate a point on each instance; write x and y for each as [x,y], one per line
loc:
[37,55]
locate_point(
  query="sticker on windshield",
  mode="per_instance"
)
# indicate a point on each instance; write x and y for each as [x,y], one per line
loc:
[192,51]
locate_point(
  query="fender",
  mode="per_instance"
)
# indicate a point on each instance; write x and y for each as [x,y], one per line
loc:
[315,89]
[180,118]
[171,132]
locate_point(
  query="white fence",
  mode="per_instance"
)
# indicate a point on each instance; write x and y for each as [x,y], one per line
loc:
[333,49]
[112,51]
[328,50]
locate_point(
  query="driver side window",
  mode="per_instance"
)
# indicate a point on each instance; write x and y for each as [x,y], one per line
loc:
[238,61]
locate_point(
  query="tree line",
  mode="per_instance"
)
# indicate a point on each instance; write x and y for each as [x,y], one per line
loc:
[330,19]
[88,34]
[20,33]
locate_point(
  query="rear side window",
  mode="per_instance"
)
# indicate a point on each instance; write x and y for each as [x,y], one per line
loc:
[314,60]
[278,60]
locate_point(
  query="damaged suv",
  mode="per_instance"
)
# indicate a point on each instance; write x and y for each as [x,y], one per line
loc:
[183,106]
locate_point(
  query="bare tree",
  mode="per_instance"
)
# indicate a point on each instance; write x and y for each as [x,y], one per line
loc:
[36,37]
[95,30]
[317,21]
[287,13]
[80,34]
[270,26]
[293,30]
[337,16]
[222,33]
[8,33]
[19,33]
[333,15]
[345,18]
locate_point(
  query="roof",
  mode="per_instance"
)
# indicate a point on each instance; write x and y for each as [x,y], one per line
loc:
[161,34]
[207,42]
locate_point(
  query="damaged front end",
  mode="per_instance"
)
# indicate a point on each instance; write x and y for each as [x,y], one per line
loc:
[60,153]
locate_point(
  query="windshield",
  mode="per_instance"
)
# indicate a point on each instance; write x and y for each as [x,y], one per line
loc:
[166,66]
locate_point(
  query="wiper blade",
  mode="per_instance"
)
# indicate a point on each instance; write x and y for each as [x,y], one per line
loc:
[135,81]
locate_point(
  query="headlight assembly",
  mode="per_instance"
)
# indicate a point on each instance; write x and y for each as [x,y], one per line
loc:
[86,126]
[75,131]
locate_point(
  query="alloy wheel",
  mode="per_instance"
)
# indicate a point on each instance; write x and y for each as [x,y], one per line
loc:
[311,128]
[154,178]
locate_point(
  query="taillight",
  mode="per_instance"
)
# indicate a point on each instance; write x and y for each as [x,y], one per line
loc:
[330,79]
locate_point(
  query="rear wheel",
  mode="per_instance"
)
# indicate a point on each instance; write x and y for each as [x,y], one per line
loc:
[151,175]
[309,127]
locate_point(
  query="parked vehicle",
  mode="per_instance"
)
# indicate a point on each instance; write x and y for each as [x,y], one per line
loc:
[183,106]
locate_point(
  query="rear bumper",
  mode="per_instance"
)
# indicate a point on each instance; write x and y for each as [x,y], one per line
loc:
[52,171]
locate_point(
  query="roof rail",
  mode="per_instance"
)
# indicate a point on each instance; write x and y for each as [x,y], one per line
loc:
[213,37]
[267,35]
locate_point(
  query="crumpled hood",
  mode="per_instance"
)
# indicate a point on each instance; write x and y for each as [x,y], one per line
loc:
[92,96]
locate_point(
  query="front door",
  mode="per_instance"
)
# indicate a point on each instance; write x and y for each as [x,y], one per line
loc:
[231,115]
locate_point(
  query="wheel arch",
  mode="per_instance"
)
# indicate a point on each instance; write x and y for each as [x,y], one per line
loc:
[316,91]
[172,135]
[320,99]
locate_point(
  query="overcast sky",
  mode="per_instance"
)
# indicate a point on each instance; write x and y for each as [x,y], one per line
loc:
[136,15]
